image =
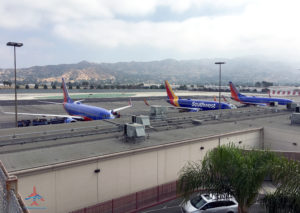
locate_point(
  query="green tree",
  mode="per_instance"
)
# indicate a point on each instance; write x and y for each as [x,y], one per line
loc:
[162,86]
[53,86]
[257,84]
[36,86]
[267,84]
[153,87]
[182,87]
[286,176]
[228,170]
[45,86]
[26,86]
[7,83]
[77,87]
[85,83]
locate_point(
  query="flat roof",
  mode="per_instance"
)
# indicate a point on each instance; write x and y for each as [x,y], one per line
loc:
[89,146]
[49,151]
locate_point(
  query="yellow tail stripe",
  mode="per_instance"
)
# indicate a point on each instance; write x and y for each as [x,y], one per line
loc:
[176,102]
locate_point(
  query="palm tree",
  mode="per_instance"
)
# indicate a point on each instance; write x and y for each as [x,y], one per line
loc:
[228,170]
[286,176]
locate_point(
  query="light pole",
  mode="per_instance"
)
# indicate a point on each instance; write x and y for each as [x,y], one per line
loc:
[15,44]
[220,63]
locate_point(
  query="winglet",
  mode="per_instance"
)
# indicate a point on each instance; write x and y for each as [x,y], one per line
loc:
[146,102]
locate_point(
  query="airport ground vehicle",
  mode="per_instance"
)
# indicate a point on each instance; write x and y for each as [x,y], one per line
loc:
[41,121]
[23,123]
[210,203]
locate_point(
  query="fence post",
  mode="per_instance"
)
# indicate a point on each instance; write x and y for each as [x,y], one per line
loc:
[157,193]
[11,184]
[136,200]
[112,205]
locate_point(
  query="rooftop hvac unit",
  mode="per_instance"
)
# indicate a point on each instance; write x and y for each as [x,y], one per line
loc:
[291,106]
[158,112]
[141,119]
[134,130]
[295,118]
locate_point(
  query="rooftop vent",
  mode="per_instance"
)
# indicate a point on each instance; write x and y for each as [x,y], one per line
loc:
[158,112]
[134,131]
[295,118]
[141,119]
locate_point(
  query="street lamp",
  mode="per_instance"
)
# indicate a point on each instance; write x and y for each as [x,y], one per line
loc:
[220,63]
[15,44]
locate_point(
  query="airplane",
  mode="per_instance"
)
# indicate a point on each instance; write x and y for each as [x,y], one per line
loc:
[192,105]
[34,196]
[78,111]
[252,100]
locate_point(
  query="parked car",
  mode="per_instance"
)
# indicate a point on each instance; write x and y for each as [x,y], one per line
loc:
[210,203]
[37,122]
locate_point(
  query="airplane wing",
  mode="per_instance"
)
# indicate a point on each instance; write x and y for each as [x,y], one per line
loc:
[47,115]
[50,102]
[251,103]
[122,108]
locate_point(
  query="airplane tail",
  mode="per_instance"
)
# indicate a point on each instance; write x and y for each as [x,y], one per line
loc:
[67,98]
[234,92]
[170,92]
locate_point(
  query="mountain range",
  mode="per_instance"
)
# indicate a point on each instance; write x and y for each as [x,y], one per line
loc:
[242,70]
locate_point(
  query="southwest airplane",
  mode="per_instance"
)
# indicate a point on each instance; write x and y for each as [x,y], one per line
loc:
[252,100]
[79,111]
[193,105]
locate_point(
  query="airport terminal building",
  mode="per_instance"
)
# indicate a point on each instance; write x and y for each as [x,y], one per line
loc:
[80,165]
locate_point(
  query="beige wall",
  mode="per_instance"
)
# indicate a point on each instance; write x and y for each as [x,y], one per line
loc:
[281,139]
[247,141]
[74,187]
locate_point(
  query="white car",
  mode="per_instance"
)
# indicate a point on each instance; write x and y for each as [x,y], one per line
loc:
[210,203]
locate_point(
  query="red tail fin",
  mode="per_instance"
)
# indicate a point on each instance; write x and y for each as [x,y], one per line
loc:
[66,93]
[234,92]
[169,90]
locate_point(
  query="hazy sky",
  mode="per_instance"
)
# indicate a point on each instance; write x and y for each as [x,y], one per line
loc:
[68,31]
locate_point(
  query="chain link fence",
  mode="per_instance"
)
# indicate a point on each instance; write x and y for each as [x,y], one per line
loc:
[14,205]
[3,190]
[10,201]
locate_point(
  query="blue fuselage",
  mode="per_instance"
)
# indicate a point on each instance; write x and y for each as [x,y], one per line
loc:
[87,112]
[198,104]
[263,100]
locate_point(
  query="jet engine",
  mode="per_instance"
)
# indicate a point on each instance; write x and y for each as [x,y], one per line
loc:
[70,120]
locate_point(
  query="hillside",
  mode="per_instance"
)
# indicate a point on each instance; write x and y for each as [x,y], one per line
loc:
[185,71]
